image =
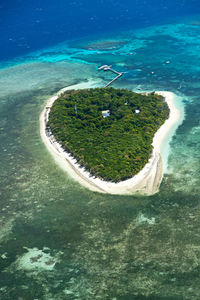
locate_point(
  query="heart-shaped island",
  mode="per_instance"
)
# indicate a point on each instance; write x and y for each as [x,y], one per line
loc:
[105,135]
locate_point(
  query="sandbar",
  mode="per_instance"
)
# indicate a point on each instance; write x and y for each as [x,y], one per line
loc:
[147,181]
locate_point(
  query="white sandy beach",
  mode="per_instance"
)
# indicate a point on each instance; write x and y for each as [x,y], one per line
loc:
[147,181]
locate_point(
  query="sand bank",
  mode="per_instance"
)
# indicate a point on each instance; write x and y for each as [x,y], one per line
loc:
[147,181]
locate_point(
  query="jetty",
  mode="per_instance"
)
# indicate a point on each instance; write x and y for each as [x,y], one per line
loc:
[109,68]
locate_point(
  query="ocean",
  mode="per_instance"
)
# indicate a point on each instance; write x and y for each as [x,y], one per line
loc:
[58,239]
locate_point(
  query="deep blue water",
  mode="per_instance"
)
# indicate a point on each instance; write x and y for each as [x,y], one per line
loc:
[31,25]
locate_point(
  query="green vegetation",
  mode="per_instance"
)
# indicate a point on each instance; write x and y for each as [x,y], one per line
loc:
[114,148]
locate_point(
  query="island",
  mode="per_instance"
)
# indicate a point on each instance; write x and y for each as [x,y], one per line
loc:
[105,137]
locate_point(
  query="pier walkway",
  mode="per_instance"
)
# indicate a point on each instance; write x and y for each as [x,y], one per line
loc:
[109,68]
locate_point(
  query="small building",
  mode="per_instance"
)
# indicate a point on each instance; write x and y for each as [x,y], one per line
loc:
[105,67]
[137,111]
[105,113]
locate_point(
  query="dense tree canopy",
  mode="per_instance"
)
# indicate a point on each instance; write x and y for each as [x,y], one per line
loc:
[114,148]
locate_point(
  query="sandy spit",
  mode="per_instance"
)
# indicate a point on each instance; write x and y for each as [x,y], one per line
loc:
[146,182]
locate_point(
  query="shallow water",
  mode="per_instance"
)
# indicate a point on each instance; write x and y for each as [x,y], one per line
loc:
[86,245]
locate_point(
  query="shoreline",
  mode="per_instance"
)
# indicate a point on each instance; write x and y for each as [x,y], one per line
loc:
[146,182]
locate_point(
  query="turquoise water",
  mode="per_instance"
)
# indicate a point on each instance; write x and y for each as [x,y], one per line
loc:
[62,241]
